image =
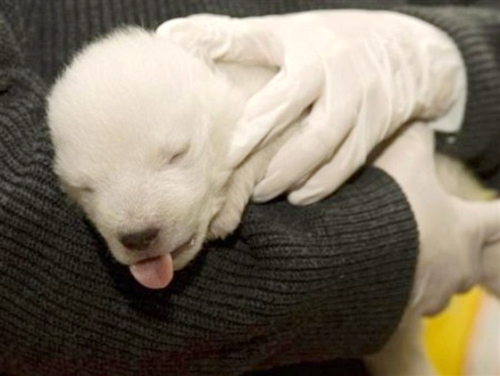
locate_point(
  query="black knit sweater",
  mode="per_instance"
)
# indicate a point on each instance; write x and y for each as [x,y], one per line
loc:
[293,284]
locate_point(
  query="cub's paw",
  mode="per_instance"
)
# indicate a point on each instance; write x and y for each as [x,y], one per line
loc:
[224,222]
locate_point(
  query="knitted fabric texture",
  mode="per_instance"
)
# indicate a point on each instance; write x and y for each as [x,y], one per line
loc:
[293,284]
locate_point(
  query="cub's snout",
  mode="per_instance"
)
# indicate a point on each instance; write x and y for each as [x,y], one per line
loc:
[139,240]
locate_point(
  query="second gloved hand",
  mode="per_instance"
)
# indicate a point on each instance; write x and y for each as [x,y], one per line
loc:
[459,241]
[365,73]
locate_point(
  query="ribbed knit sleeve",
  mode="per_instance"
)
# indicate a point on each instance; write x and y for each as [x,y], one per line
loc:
[292,284]
[476,31]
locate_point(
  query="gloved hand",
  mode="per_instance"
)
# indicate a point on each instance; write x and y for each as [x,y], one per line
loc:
[458,239]
[364,72]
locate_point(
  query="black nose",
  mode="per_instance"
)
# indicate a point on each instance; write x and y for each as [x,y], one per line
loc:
[139,240]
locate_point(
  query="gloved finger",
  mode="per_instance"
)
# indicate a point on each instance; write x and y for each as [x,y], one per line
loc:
[269,111]
[329,177]
[316,141]
[425,304]
[224,38]
[415,144]
[490,268]
[482,220]
[290,166]
[324,129]
[349,156]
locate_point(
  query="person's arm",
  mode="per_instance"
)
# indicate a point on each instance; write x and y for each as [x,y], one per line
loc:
[476,32]
[66,308]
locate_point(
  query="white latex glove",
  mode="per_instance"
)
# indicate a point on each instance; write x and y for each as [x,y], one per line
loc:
[365,72]
[490,277]
[456,236]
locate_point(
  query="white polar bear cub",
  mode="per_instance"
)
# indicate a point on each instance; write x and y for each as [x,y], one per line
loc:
[140,130]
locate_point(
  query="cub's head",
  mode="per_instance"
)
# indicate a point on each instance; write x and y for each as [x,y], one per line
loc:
[130,119]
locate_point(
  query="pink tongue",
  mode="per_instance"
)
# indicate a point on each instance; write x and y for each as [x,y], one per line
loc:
[155,273]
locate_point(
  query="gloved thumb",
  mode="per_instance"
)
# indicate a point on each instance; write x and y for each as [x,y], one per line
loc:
[482,224]
[483,219]
[490,268]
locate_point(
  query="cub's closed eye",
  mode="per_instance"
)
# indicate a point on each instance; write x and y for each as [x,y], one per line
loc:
[86,190]
[177,157]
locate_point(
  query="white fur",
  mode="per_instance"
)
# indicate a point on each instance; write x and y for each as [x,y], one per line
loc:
[140,130]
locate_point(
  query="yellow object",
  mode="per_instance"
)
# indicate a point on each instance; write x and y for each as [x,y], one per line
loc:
[447,335]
